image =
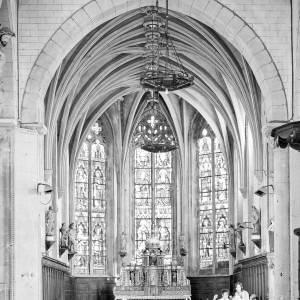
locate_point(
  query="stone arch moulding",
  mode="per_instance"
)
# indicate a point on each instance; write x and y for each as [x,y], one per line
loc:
[210,12]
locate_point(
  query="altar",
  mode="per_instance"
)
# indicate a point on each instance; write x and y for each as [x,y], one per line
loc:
[153,279]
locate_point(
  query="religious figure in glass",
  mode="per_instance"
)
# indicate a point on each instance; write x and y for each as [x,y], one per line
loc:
[143,232]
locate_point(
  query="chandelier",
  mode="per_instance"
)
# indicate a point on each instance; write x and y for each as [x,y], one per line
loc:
[154,132]
[163,70]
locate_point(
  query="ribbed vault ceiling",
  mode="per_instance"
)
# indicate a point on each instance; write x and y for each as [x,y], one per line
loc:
[107,64]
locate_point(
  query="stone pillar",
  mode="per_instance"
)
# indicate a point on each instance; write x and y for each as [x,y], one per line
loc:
[282,224]
[28,172]
[6,209]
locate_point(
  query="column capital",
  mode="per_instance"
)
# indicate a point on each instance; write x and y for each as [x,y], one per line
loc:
[40,128]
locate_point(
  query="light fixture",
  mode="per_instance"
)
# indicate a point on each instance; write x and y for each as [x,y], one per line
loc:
[44,188]
[154,132]
[163,70]
[287,135]
[262,190]
[5,35]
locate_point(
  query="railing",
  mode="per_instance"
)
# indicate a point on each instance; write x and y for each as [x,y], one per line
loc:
[253,273]
[55,277]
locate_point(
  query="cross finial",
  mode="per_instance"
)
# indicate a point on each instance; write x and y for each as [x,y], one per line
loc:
[152,121]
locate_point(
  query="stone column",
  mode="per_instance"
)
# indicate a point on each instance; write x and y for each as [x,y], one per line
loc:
[282,224]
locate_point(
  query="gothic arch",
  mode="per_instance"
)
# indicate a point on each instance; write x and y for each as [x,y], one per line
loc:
[211,13]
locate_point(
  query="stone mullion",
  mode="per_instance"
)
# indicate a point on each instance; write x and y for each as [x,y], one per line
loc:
[152,193]
[90,208]
[213,195]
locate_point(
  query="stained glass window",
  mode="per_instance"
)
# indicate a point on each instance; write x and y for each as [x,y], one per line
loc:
[90,205]
[213,203]
[153,194]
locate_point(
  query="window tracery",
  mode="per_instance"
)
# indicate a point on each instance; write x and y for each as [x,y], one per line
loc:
[153,142]
[90,204]
[212,203]
[153,184]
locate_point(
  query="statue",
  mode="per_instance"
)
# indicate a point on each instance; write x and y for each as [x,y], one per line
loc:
[255,220]
[123,241]
[64,234]
[232,241]
[183,251]
[72,238]
[271,235]
[239,235]
[50,218]
[123,251]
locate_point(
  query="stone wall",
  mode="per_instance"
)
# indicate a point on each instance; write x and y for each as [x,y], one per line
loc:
[38,21]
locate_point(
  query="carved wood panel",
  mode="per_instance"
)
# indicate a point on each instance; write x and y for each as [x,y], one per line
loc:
[55,275]
[253,273]
[92,288]
[204,288]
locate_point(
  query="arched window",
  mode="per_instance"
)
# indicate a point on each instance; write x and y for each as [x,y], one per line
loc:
[212,204]
[153,179]
[90,205]
[153,194]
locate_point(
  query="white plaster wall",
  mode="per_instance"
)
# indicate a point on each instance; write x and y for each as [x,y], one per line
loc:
[27,249]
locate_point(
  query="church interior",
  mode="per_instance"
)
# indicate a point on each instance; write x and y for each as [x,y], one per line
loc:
[149,149]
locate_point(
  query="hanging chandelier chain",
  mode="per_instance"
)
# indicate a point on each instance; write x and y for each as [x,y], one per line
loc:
[160,72]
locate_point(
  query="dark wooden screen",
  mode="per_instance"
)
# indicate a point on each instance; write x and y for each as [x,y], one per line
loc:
[93,288]
[55,279]
[253,273]
[68,288]
[204,288]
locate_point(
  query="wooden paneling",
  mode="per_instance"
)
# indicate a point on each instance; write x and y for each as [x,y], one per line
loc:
[55,276]
[253,273]
[68,288]
[204,288]
[92,288]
